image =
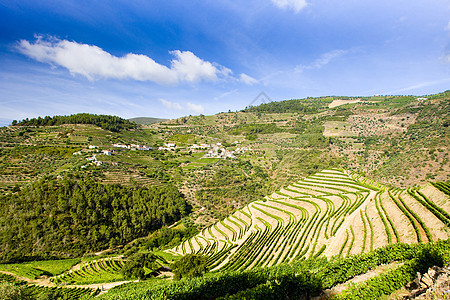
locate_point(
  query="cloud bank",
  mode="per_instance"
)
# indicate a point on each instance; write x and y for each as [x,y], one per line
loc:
[91,61]
[171,105]
[190,107]
[295,5]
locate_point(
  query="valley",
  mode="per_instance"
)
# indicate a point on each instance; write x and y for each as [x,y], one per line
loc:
[270,199]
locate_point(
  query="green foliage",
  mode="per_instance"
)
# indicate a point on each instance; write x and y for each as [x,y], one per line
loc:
[162,239]
[440,213]
[299,279]
[284,286]
[70,217]
[252,129]
[50,293]
[189,266]
[407,214]
[96,271]
[232,181]
[10,291]
[442,186]
[135,264]
[390,281]
[304,106]
[111,123]
[55,151]
[21,291]
[34,269]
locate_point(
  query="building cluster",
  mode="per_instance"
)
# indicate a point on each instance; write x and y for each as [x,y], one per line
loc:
[217,150]
[133,147]
[93,159]
[213,150]
[168,147]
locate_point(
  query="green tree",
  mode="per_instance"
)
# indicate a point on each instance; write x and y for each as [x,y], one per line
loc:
[190,266]
[10,291]
[135,264]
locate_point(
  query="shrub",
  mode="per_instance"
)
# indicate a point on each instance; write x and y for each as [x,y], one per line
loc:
[135,264]
[190,266]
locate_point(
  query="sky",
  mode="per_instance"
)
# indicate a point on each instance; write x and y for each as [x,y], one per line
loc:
[175,58]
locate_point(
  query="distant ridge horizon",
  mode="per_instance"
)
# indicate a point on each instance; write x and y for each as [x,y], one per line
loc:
[147,120]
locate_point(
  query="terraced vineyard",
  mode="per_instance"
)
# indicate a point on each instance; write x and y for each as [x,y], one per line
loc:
[333,212]
[40,292]
[62,292]
[97,271]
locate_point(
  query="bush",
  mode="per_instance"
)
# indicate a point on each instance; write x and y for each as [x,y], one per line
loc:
[135,264]
[10,291]
[190,266]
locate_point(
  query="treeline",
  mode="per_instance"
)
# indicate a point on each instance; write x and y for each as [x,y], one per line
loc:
[71,217]
[111,123]
[301,106]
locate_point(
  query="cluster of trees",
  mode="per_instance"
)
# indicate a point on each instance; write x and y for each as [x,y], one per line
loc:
[301,106]
[190,266]
[143,265]
[70,217]
[111,123]
[164,238]
[136,265]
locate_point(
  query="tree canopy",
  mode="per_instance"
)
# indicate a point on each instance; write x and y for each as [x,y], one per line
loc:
[111,123]
[190,266]
[63,217]
[135,264]
[305,106]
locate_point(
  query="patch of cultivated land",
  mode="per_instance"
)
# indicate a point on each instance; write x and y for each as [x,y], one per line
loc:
[339,102]
[333,212]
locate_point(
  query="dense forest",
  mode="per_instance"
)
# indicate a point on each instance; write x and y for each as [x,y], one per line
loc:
[111,123]
[63,217]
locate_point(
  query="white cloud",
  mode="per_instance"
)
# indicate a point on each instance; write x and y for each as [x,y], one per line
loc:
[247,79]
[196,108]
[190,68]
[322,61]
[448,26]
[171,105]
[295,5]
[91,61]
[191,107]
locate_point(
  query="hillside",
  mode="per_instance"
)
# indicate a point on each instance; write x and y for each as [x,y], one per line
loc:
[332,212]
[146,120]
[302,180]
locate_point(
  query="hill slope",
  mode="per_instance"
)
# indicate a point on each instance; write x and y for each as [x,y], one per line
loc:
[146,120]
[333,212]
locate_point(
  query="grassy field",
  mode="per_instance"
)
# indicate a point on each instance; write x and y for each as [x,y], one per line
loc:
[33,270]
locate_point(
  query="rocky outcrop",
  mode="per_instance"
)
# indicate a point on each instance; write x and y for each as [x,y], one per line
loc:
[435,284]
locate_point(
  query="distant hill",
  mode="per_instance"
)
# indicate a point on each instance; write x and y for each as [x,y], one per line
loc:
[111,123]
[146,120]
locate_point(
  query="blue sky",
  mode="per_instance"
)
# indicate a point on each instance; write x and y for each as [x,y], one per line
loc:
[174,58]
